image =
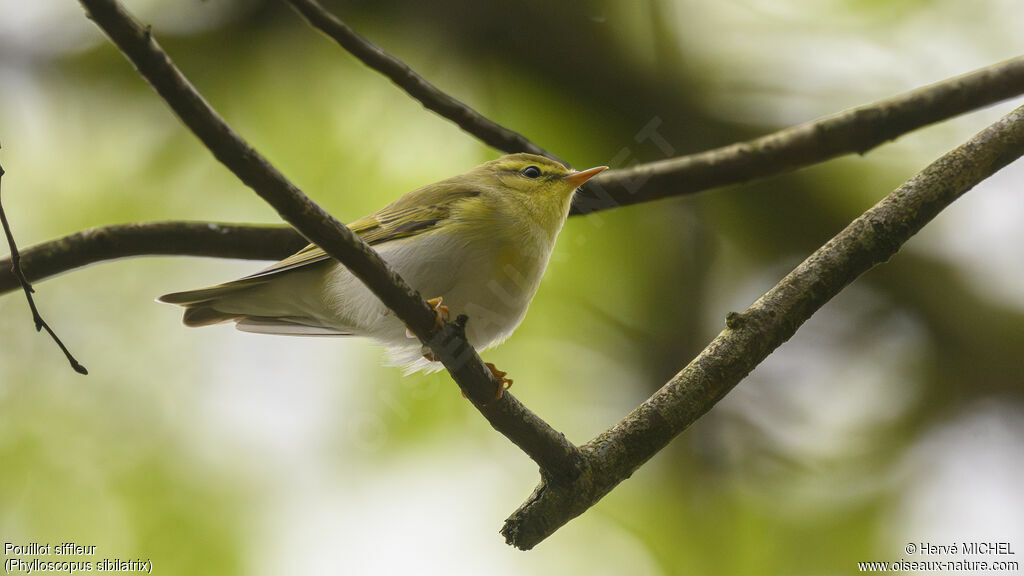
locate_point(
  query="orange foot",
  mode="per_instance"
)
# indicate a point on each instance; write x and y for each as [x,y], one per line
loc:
[499,375]
[440,309]
[442,316]
[503,383]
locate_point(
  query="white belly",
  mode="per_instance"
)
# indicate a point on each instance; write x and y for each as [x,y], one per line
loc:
[478,280]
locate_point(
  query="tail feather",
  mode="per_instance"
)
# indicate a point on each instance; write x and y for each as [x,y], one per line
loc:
[201,306]
[282,306]
[204,314]
[191,297]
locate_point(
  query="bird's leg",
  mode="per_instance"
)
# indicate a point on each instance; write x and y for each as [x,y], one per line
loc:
[499,375]
[442,316]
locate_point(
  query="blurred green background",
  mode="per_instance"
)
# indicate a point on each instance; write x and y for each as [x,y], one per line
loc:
[895,415]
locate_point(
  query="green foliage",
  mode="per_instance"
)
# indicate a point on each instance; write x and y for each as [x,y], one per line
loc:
[211,451]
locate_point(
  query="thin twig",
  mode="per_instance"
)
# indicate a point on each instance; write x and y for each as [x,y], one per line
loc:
[27,287]
[751,336]
[556,456]
[432,98]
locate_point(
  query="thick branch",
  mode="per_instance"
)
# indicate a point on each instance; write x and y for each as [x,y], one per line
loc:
[555,455]
[857,130]
[749,337]
[484,129]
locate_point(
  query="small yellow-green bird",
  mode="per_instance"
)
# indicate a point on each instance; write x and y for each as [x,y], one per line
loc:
[479,242]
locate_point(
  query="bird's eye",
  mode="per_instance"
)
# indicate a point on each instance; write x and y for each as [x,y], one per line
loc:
[531,172]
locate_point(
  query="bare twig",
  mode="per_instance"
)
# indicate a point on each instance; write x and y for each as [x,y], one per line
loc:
[484,129]
[556,456]
[857,130]
[27,287]
[751,336]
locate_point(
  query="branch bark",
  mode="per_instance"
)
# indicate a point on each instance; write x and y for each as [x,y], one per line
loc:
[857,130]
[750,336]
[219,240]
[416,86]
[555,455]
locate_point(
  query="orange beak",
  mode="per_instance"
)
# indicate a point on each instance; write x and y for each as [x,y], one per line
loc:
[578,178]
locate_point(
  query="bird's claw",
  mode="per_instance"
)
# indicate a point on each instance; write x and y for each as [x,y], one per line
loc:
[441,312]
[499,375]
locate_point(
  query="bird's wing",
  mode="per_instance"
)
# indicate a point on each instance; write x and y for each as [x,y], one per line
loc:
[414,213]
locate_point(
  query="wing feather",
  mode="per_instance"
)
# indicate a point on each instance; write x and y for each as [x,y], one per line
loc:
[417,212]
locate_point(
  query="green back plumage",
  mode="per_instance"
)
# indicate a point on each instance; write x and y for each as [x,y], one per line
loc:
[421,210]
[414,213]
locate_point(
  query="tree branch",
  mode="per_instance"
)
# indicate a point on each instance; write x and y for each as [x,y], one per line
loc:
[854,131]
[749,337]
[556,456]
[857,130]
[152,238]
[471,121]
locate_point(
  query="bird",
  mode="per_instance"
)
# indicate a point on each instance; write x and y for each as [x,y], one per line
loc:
[476,244]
